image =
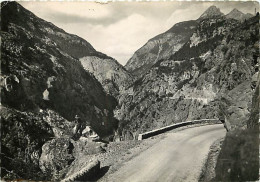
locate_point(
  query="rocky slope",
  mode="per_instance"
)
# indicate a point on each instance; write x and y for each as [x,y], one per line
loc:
[113,76]
[43,87]
[208,77]
[165,44]
[160,47]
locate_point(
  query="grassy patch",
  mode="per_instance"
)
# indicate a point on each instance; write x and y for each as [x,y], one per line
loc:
[239,157]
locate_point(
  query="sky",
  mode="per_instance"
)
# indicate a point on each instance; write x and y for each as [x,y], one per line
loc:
[118,29]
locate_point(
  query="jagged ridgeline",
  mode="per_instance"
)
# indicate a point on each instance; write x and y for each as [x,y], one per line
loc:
[212,74]
[43,87]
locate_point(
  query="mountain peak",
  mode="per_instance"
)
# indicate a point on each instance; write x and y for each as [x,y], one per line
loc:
[13,5]
[235,12]
[211,12]
[238,15]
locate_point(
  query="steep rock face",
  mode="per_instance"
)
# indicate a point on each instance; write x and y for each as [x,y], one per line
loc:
[160,47]
[207,77]
[113,76]
[238,15]
[42,77]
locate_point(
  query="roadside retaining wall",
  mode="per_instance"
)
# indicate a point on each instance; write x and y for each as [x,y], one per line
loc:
[176,125]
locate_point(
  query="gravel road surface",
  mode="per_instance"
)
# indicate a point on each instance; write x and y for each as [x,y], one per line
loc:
[178,157]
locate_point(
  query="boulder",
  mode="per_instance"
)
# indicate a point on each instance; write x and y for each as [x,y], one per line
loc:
[57,155]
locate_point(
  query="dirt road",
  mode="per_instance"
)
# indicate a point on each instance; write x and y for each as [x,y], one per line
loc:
[178,157]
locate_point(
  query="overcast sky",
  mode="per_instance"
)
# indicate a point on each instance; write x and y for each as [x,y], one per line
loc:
[118,29]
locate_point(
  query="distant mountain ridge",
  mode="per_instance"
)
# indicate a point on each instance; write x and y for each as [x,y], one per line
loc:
[238,15]
[160,47]
[172,40]
[74,45]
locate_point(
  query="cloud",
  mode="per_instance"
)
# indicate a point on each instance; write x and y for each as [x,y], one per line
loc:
[121,39]
[74,12]
[66,18]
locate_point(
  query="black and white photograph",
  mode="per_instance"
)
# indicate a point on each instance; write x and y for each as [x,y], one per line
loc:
[129,91]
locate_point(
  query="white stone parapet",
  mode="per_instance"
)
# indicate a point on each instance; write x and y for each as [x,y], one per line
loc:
[176,125]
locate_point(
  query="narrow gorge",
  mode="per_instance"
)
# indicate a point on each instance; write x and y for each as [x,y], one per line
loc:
[53,82]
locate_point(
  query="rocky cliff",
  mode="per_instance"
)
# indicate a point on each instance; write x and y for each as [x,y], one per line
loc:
[43,87]
[208,77]
[113,76]
[160,47]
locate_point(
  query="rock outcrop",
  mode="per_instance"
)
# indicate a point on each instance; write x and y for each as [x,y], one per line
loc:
[56,158]
[62,159]
[113,76]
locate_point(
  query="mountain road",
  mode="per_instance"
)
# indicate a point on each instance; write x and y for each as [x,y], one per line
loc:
[178,157]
